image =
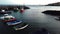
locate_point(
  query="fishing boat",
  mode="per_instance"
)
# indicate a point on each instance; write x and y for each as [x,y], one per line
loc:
[21,10]
[12,21]
[21,26]
[7,18]
[17,25]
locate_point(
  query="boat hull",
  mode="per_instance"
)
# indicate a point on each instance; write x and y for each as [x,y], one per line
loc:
[18,25]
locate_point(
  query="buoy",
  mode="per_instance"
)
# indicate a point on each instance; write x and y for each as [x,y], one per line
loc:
[22,10]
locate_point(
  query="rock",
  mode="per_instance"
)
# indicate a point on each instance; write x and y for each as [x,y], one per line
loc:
[52,12]
[25,7]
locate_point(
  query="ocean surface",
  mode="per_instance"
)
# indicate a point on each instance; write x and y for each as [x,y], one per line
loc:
[36,20]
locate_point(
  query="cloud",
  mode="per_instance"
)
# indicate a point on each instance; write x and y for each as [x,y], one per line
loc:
[28,2]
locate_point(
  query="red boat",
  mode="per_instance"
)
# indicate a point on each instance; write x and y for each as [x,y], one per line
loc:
[21,10]
[7,18]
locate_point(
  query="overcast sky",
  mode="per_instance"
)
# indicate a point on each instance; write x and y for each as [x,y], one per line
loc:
[28,2]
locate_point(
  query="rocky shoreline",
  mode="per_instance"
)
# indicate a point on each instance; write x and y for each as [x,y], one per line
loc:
[12,7]
[52,12]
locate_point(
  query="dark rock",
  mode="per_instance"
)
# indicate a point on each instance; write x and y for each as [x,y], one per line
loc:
[25,7]
[54,4]
[52,12]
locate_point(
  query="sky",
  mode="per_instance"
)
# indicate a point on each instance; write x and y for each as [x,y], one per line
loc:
[28,2]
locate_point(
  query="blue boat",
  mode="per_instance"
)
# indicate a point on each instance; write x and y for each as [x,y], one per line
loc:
[14,22]
[17,25]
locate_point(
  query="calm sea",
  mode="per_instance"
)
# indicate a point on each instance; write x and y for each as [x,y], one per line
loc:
[36,19]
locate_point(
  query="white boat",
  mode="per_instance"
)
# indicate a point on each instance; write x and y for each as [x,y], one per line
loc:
[16,24]
[7,18]
[20,28]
